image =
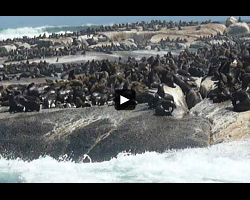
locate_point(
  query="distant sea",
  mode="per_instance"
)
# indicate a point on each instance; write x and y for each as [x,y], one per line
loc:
[37,21]
[19,26]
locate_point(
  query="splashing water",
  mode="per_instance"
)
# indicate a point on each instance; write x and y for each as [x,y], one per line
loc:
[36,31]
[229,162]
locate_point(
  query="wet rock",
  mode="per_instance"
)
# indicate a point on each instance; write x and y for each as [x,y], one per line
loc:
[100,132]
[150,133]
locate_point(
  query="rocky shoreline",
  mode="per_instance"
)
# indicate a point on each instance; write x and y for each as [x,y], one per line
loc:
[102,132]
[227,125]
[99,132]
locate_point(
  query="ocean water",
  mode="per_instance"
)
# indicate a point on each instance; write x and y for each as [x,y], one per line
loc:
[11,33]
[222,163]
[19,26]
[37,21]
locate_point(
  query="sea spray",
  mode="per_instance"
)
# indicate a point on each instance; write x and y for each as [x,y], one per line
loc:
[10,33]
[228,162]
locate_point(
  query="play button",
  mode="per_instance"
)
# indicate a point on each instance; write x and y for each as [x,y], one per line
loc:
[125,100]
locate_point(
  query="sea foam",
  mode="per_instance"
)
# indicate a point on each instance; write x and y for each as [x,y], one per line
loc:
[228,162]
[10,33]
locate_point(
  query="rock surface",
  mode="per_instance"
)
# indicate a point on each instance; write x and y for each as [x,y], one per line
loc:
[198,44]
[230,21]
[238,29]
[103,132]
[190,32]
[100,132]
[227,125]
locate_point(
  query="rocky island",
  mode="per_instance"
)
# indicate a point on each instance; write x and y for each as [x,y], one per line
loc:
[191,80]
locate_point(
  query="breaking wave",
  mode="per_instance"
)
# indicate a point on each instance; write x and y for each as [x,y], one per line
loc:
[11,33]
[228,162]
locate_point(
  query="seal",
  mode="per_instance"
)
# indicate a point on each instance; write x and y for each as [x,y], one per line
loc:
[185,88]
[102,100]
[246,81]
[144,97]
[153,80]
[59,105]
[220,94]
[193,98]
[67,105]
[168,105]
[32,90]
[87,104]
[241,95]
[184,73]
[14,105]
[32,98]
[29,105]
[79,103]
[168,79]
[6,77]
[78,93]
[160,111]
[72,75]
[164,95]
[196,72]
[242,106]
[49,101]
[62,94]
[157,100]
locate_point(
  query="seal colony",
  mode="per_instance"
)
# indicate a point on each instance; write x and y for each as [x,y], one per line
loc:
[95,82]
[105,39]
[190,99]
[218,71]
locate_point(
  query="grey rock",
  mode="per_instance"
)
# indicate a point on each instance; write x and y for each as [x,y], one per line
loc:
[227,125]
[238,29]
[100,132]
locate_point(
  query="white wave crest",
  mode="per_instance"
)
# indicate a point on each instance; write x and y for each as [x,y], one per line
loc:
[220,163]
[20,32]
[11,33]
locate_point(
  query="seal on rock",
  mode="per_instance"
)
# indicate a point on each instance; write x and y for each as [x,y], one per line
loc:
[29,105]
[14,105]
[164,95]
[160,111]
[193,98]
[241,101]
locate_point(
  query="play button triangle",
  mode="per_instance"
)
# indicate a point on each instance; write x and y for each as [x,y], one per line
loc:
[123,99]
